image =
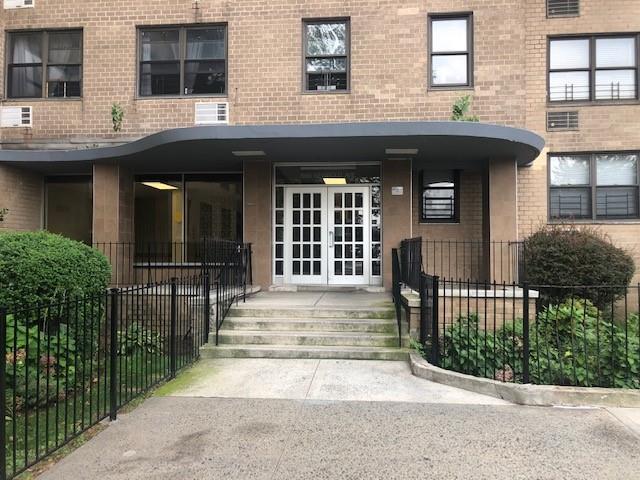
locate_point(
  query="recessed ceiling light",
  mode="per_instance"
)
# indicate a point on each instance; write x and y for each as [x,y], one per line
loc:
[160,185]
[334,181]
[401,151]
[249,153]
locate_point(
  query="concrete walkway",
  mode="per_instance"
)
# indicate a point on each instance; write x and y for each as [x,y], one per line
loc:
[356,299]
[352,380]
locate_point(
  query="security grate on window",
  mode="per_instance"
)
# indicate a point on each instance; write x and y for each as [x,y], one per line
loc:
[563,8]
[562,121]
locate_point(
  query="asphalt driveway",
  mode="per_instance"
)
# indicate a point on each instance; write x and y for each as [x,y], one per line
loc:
[325,435]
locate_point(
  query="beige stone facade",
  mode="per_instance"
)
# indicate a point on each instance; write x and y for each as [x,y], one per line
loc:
[388,82]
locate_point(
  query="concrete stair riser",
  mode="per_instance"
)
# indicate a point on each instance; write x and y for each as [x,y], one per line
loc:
[306,325]
[310,313]
[347,353]
[314,339]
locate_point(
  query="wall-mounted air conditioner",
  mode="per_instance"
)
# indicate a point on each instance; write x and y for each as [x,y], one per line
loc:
[214,113]
[11,4]
[11,117]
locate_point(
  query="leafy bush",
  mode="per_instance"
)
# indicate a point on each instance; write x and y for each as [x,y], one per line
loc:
[560,256]
[137,338]
[573,343]
[43,267]
[28,366]
[460,110]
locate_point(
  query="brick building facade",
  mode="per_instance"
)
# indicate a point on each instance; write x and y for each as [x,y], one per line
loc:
[501,194]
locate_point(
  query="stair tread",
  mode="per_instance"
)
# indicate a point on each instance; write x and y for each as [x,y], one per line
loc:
[305,320]
[304,347]
[316,333]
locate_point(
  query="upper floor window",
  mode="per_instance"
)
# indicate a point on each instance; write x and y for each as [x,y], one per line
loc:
[593,68]
[183,61]
[326,55]
[45,64]
[594,186]
[451,50]
[440,196]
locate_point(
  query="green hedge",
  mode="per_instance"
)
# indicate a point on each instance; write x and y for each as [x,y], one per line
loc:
[559,255]
[40,267]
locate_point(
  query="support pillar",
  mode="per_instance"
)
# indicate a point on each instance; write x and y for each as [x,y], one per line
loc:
[257,218]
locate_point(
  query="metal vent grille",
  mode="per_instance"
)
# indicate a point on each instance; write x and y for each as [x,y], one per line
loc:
[10,4]
[11,117]
[562,121]
[212,113]
[563,8]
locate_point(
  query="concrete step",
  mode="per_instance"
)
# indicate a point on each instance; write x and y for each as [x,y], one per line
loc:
[362,325]
[351,339]
[297,351]
[311,312]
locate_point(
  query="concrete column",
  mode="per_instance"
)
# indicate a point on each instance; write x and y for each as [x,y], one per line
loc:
[257,218]
[501,219]
[396,211]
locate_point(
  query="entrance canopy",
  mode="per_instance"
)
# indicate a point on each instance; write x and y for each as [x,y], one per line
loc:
[222,148]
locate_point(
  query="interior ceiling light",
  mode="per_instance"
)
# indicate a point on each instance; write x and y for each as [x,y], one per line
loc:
[334,181]
[401,151]
[249,153]
[160,185]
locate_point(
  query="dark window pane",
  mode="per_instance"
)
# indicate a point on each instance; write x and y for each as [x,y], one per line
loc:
[570,203]
[204,77]
[337,267]
[65,48]
[306,268]
[63,81]
[69,207]
[327,81]
[617,202]
[279,267]
[375,268]
[296,251]
[156,201]
[316,268]
[160,45]
[160,79]
[25,82]
[279,234]
[206,43]
[279,250]
[26,48]
[279,197]
[296,267]
[326,39]
[306,251]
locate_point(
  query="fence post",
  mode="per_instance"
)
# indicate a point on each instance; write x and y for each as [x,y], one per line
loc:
[174,327]
[435,330]
[207,306]
[423,306]
[525,333]
[3,395]
[217,309]
[113,361]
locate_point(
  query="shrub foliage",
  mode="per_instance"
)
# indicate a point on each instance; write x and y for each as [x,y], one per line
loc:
[43,267]
[561,256]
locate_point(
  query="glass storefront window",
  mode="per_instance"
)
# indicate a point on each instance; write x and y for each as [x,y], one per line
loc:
[69,207]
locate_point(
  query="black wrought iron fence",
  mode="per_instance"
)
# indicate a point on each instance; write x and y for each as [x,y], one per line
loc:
[71,363]
[555,335]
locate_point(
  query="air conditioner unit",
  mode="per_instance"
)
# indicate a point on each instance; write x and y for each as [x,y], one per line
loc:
[11,4]
[11,117]
[214,113]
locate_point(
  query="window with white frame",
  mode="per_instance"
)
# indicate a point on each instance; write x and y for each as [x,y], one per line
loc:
[595,186]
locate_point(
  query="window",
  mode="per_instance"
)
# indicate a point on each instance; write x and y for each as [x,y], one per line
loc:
[594,186]
[451,47]
[326,55]
[175,212]
[69,206]
[183,61]
[50,59]
[440,196]
[593,68]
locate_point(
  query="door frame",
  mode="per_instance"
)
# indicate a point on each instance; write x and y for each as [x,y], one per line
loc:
[281,280]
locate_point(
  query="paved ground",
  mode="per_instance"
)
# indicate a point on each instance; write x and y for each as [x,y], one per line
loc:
[357,299]
[305,429]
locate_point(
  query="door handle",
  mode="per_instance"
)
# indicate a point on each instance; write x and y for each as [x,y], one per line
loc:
[331,239]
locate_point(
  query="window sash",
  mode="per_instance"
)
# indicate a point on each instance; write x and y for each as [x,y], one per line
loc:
[39,84]
[611,200]
[436,56]
[188,65]
[327,79]
[592,87]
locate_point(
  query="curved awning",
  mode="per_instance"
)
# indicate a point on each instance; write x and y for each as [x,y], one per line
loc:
[219,148]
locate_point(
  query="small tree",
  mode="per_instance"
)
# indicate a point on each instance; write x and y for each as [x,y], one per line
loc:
[117,116]
[568,256]
[3,213]
[460,111]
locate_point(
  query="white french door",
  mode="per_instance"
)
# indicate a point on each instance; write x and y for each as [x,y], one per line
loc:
[348,234]
[327,235]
